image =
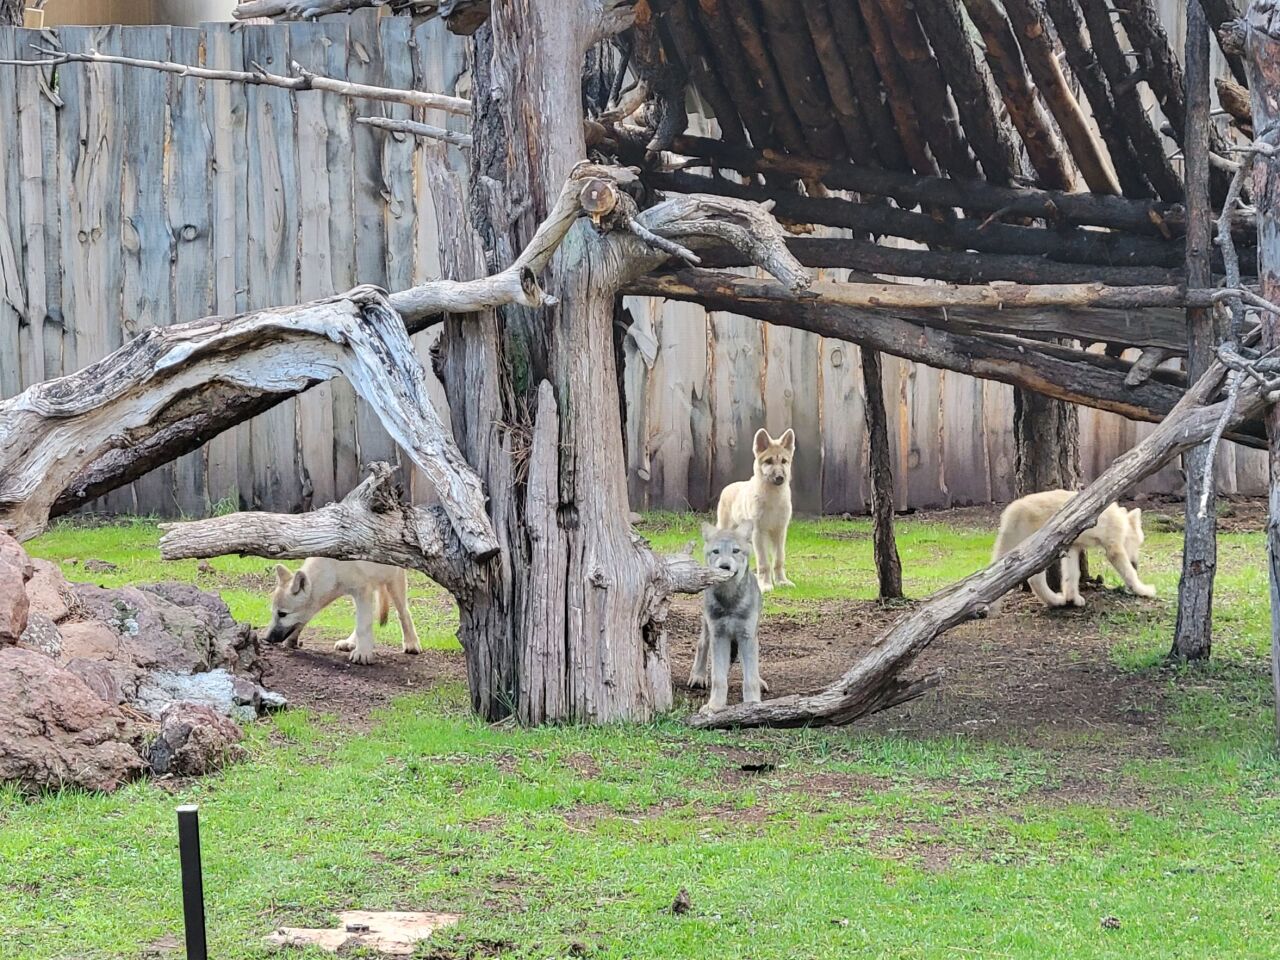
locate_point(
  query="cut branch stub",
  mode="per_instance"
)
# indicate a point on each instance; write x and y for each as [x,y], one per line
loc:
[598,198]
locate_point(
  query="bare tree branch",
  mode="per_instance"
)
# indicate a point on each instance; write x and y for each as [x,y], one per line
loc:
[304,80]
[415,129]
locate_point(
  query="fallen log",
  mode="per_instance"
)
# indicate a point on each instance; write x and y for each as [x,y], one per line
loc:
[166,378]
[875,683]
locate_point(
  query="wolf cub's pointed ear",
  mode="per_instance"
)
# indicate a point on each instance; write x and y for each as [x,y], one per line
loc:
[299,582]
[282,574]
[788,439]
[745,529]
[1135,518]
[708,531]
[762,440]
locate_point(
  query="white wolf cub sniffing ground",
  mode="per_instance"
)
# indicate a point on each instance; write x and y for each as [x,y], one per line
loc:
[1118,533]
[730,616]
[374,586]
[764,501]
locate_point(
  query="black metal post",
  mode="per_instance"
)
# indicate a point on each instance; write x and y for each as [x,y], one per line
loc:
[192,881]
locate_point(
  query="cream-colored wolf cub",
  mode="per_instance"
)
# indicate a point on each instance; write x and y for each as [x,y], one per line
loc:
[764,501]
[374,586]
[1118,533]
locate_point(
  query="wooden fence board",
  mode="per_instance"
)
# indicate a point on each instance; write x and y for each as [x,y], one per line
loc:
[146,241]
[15,323]
[41,216]
[792,393]
[308,44]
[737,400]
[187,207]
[91,138]
[273,252]
[230,473]
[844,465]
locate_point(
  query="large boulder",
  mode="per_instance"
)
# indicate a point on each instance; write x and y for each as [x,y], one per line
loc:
[56,732]
[168,651]
[15,571]
[194,740]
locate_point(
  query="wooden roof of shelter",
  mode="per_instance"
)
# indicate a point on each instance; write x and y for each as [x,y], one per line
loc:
[967,89]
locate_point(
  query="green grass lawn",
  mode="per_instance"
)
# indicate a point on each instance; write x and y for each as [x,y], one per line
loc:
[574,841]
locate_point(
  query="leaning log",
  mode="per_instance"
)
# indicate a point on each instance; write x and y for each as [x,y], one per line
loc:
[166,378]
[874,683]
[880,471]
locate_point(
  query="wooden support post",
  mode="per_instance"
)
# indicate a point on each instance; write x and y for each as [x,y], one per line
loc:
[1262,59]
[888,564]
[1193,634]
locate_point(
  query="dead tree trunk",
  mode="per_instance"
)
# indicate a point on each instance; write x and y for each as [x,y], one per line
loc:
[11,13]
[1193,634]
[1262,59]
[888,564]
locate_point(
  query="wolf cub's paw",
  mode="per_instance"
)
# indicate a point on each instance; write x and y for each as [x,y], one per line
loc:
[707,709]
[413,649]
[342,646]
[1077,601]
[1146,591]
[784,582]
[361,656]
[765,585]
[697,682]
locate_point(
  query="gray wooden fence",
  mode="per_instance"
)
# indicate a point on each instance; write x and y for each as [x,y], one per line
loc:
[132,198]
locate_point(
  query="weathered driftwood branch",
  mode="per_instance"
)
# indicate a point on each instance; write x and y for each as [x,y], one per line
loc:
[413,128]
[1053,371]
[370,523]
[1003,296]
[874,683]
[165,379]
[303,80]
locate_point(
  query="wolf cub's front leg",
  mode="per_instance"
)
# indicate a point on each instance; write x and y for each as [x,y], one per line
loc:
[361,641]
[698,673]
[721,652]
[1130,576]
[764,568]
[780,558]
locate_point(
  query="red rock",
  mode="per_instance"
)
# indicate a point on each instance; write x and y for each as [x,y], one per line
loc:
[56,732]
[47,591]
[15,571]
[194,740]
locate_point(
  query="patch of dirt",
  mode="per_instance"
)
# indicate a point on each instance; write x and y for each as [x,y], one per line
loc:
[914,841]
[320,678]
[583,764]
[1029,675]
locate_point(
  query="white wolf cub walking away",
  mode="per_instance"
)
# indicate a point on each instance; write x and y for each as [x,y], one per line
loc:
[764,501]
[730,617]
[1118,533]
[374,587]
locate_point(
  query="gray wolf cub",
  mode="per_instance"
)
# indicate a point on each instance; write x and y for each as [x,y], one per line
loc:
[730,616]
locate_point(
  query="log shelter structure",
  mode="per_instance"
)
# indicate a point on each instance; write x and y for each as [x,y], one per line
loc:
[1037,192]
